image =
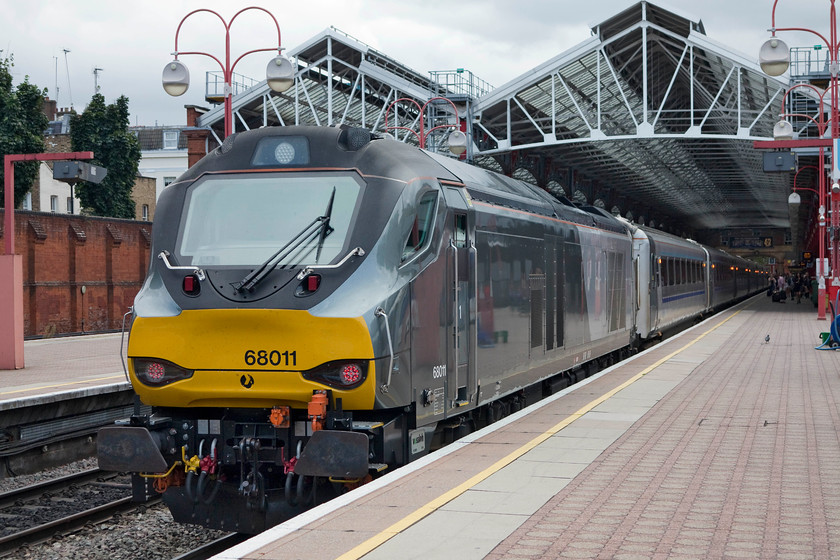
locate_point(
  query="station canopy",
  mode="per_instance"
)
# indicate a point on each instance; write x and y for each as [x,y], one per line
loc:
[648,117]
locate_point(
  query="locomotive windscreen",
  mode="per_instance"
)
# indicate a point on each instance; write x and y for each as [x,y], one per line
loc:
[241,220]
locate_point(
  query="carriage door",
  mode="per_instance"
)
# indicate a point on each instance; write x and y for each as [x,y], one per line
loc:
[461,378]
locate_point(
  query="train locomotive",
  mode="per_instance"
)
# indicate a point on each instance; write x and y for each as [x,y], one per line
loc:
[326,304]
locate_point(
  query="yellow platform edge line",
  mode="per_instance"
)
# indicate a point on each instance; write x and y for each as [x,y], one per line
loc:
[68,384]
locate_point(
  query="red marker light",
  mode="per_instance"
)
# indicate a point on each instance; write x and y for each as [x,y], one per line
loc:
[191,285]
[350,374]
[312,282]
[155,371]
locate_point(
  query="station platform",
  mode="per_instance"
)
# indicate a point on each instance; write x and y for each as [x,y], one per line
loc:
[712,444]
[64,367]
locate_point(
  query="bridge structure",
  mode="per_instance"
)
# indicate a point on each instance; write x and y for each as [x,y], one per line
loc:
[649,118]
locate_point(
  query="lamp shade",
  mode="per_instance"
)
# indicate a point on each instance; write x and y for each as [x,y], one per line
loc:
[279,74]
[794,199]
[774,57]
[176,78]
[783,130]
[457,142]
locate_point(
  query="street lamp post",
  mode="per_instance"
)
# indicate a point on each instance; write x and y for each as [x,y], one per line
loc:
[279,72]
[774,58]
[457,139]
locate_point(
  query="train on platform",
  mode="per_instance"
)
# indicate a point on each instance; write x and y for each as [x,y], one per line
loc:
[327,304]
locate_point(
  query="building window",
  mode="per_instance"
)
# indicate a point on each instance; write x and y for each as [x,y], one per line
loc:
[170,139]
[27,201]
[69,204]
[788,238]
[53,203]
[145,212]
[168,181]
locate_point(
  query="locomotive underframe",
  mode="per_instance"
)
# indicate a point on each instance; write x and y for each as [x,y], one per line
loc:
[264,474]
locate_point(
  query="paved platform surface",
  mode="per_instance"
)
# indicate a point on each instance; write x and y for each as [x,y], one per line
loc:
[53,366]
[714,444]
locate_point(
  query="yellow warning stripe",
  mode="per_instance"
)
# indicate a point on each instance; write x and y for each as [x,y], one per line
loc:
[120,376]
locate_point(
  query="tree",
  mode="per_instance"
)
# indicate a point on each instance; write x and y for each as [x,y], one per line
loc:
[22,126]
[103,130]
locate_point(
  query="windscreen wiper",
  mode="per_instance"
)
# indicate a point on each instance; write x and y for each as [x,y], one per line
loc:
[318,226]
[326,229]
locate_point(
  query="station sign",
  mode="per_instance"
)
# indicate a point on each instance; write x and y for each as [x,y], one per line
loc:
[779,161]
[74,171]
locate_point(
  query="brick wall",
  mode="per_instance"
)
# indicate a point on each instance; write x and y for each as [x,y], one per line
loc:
[64,253]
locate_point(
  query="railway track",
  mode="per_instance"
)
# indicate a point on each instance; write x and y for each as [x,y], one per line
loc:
[41,511]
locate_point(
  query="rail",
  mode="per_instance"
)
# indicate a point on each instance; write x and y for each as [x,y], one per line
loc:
[39,531]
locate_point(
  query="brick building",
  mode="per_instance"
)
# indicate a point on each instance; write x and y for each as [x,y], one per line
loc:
[163,152]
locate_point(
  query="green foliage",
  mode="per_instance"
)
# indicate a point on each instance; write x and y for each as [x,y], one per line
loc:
[22,126]
[103,130]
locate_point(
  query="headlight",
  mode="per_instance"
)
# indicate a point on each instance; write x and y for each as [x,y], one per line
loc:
[154,372]
[344,374]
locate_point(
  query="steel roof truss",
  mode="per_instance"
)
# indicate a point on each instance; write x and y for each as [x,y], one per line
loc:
[715,100]
[311,105]
[618,84]
[350,98]
[574,101]
[665,97]
[270,100]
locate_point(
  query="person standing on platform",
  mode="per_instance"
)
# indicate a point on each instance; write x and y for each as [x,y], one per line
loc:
[797,288]
[806,285]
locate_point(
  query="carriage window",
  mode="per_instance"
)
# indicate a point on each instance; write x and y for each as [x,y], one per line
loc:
[422,225]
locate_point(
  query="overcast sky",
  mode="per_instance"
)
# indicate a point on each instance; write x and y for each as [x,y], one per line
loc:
[497,40]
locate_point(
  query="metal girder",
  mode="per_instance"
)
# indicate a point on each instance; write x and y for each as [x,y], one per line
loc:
[338,80]
[654,108]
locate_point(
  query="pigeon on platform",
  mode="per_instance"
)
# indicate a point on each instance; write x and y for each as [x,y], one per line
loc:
[766,339]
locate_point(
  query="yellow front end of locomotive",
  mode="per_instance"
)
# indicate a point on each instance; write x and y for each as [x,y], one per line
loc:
[249,358]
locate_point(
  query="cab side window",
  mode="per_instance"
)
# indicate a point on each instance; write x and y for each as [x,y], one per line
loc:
[421,228]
